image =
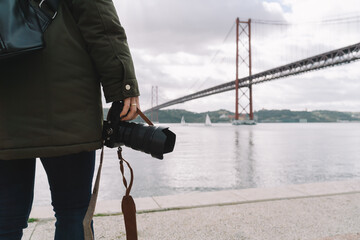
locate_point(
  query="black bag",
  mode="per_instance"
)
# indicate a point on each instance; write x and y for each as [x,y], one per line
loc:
[22,25]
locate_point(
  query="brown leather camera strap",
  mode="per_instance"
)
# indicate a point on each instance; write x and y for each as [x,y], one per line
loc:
[128,205]
[142,115]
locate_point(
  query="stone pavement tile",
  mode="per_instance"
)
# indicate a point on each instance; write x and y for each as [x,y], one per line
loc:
[114,206]
[300,190]
[29,230]
[108,207]
[42,212]
[260,194]
[350,236]
[198,199]
[44,230]
[109,228]
[106,228]
[147,203]
[355,185]
[325,188]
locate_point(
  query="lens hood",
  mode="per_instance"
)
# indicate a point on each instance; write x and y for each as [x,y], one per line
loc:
[149,139]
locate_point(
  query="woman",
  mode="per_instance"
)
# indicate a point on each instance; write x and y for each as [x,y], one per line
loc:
[50,108]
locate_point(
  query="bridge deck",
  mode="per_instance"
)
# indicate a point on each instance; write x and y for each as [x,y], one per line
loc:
[336,57]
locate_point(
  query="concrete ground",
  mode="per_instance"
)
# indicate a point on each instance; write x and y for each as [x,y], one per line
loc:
[319,211]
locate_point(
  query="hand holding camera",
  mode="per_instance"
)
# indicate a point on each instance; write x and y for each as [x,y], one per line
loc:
[149,139]
[129,111]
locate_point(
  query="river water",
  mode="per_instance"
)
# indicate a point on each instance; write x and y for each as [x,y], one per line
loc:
[223,156]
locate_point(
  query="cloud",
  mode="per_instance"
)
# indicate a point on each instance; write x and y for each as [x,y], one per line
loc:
[336,90]
[188,25]
[179,46]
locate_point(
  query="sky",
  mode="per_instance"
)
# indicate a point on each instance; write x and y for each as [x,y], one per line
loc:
[183,46]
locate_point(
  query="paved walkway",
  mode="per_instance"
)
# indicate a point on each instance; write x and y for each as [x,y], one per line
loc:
[319,211]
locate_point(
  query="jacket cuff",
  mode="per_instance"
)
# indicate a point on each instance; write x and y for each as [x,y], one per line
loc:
[121,90]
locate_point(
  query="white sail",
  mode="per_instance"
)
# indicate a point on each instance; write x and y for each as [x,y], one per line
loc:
[207,120]
[183,121]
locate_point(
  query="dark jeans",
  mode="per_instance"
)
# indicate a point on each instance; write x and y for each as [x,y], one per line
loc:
[70,180]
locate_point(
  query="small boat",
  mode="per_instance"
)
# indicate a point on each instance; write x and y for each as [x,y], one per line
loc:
[183,121]
[207,120]
[243,122]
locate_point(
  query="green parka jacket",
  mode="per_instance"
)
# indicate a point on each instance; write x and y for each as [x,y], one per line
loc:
[50,101]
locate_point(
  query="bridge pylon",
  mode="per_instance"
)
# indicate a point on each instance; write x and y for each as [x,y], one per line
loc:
[245,100]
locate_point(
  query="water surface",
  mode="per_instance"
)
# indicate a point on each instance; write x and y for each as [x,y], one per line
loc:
[223,157]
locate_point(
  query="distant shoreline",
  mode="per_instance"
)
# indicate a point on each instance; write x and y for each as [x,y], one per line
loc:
[261,116]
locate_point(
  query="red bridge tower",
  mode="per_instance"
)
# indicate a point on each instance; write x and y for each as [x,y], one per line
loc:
[243,36]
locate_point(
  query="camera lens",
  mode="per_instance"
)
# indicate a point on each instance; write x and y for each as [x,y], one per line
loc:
[149,139]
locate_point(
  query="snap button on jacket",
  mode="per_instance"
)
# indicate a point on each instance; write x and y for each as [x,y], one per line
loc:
[50,101]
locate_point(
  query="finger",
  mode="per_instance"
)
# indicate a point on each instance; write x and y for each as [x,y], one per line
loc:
[126,107]
[132,114]
[137,106]
[138,103]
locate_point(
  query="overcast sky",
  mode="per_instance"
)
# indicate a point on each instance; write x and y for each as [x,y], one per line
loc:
[178,45]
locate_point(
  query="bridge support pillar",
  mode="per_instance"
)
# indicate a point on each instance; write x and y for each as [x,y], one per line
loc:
[245,100]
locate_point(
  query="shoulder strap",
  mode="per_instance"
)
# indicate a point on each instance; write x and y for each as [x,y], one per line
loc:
[52,4]
[88,233]
[48,7]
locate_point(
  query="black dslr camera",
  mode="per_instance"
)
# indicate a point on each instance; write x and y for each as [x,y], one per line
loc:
[149,139]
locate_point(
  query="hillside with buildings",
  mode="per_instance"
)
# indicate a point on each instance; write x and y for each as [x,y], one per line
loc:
[262,116]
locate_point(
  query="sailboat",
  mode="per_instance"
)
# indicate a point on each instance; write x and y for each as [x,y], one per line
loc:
[207,120]
[183,121]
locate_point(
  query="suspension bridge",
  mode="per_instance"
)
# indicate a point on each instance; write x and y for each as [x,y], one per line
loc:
[343,55]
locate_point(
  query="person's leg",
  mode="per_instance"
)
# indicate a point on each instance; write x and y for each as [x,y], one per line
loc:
[16,196]
[70,180]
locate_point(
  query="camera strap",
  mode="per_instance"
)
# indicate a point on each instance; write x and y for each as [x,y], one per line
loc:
[127,205]
[142,115]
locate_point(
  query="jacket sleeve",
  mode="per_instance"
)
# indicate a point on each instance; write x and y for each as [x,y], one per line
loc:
[107,44]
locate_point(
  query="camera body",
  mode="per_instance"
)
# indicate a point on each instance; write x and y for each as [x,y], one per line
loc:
[149,139]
